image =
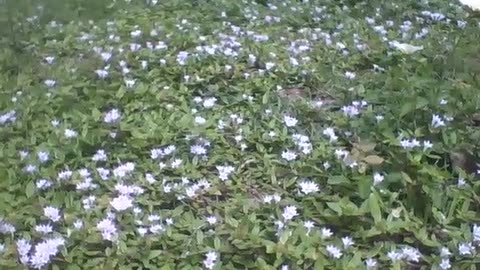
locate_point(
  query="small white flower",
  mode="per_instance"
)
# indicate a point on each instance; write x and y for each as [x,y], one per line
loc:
[52,213]
[42,156]
[44,228]
[444,252]
[445,264]
[308,225]
[70,133]
[290,121]
[289,212]
[211,220]
[50,83]
[465,248]
[326,233]
[210,259]
[78,224]
[122,202]
[199,120]
[111,116]
[437,121]
[394,255]
[308,187]
[347,241]
[370,263]
[209,102]
[334,251]
[377,178]
[350,75]
[289,155]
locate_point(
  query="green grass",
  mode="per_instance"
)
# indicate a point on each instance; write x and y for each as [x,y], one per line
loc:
[324,126]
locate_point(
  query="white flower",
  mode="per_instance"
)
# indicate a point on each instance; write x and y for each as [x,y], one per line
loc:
[44,228]
[437,121]
[100,155]
[210,259]
[347,241]
[52,213]
[78,224]
[350,75]
[394,255]
[308,187]
[224,171]
[444,252]
[308,225]
[465,248]
[2,247]
[50,83]
[334,251]
[111,116]
[329,132]
[377,178]
[326,233]
[198,150]
[411,254]
[122,202]
[107,229]
[476,232]
[289,212]
[43,184]
[211,220]
[405,47]
[209,102]
[42,156]
[289,155]
[370,263]
[70,133]
[199,120]
[43,252]
[445,264]
[290,121]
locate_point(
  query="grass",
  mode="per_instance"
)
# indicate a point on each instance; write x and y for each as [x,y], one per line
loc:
[239,135]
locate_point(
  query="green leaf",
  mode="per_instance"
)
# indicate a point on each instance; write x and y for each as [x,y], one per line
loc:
[374,208]
[30,189]
[335,206]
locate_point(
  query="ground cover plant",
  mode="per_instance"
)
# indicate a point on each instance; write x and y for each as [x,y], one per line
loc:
[239,135]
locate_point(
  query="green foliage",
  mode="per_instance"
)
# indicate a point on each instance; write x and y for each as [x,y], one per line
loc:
[373,177]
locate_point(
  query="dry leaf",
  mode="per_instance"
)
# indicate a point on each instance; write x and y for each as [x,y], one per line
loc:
[364,147]
[373,160]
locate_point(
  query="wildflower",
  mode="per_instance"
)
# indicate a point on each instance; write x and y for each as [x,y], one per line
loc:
[224,171]
[326,233]
[465,248]
[199,120]
[107,229]
[290,121]
[42,156]
[347,241]
[44,228]
[70,133]
[212,220]
[112,116]
[308,225]
[210,259]
[52,213]
[370,263]
[445,264]
[334,251]
[289,212]
[308,187]
[122,202]
[437,121]
[209,102]
[377,178]
[43,184]
[289,155]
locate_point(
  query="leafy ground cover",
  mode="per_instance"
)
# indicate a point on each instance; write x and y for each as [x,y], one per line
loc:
[239,135]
